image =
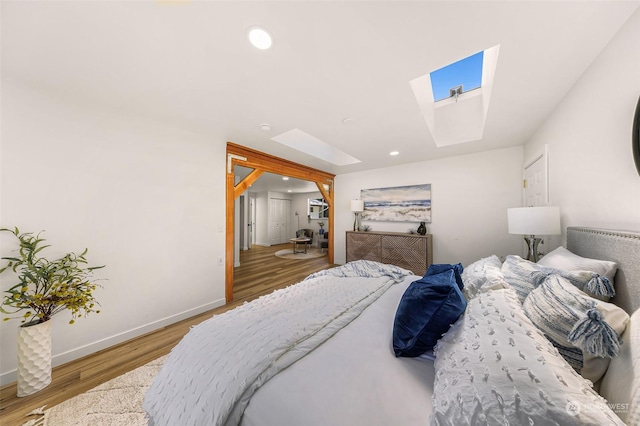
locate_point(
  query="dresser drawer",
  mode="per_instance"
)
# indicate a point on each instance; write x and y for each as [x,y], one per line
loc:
[394,242]
[363,246]
[412,252]
[415,261]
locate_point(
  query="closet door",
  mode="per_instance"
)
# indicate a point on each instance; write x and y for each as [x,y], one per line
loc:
[274,222]
[285,220]
[279,221]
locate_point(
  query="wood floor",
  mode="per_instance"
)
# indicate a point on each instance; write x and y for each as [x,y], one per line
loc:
[260,273]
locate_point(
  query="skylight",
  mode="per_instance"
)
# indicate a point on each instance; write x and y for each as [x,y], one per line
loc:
[453,114]
[466,72]
[304,142]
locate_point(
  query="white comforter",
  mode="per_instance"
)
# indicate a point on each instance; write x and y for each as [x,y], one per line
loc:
[352,379]
[209,377]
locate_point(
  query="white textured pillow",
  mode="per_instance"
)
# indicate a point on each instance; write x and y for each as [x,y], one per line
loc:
[524,276]
[482,275]
[494,367]
[561,258]
[558,308]
[621,384]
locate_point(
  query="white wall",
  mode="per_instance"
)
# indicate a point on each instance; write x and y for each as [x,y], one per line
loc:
[470,196]
[299,205]
[592,174]
[143,197]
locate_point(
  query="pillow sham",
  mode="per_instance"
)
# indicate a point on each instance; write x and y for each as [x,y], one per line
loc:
[619,386]
[585,330]
[482,275]
[426,311]
[494,367]
[437,268]
[524,276]
[561,258]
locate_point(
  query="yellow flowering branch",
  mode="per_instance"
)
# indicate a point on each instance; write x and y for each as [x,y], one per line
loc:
[47,287]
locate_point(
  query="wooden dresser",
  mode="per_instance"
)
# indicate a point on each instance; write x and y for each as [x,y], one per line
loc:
[409,251]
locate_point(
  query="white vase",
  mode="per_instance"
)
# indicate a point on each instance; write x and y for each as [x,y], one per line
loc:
[34,358]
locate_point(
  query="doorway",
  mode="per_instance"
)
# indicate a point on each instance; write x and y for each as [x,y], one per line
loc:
[260,163]
[536,179]
[247,221]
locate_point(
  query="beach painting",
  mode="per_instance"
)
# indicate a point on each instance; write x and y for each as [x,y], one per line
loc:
[401,203]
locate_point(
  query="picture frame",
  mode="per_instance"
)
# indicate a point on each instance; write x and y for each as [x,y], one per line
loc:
[411,203]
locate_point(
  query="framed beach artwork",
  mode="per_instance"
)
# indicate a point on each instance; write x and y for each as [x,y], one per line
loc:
[397,204]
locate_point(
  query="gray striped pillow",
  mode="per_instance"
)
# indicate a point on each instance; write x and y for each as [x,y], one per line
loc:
[586,331]
[524,276]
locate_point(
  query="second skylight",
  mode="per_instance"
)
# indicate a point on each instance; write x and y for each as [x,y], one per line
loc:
[466,72]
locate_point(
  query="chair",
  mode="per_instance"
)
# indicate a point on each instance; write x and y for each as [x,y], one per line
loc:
[324,242]
[305,233]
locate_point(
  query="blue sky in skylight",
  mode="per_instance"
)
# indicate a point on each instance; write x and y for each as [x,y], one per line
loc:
[466,72]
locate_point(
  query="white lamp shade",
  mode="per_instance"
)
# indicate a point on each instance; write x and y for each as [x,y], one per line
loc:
[356,205]
[534,220]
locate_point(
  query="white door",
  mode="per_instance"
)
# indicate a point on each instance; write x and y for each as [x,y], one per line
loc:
[536,192]
[285,228]
[274,222]
[279,217]
[252,221]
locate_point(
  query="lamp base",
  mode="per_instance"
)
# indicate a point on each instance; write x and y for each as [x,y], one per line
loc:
[532,248]
[356,221]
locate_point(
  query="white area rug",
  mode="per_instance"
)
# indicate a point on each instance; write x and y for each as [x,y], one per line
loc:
[310,254]
[117,402]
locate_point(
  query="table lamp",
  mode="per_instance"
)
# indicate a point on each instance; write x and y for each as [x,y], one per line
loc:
[532,221]
[356,206]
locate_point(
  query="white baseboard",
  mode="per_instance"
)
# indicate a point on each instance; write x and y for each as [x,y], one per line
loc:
[68,356]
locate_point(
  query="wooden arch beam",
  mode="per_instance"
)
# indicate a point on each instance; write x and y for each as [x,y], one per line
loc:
[246,182]
[261,162]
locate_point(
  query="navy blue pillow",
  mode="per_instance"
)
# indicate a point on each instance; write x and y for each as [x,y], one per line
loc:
[441,267]
[426,311]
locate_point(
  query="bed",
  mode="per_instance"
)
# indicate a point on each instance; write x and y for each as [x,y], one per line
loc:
[323,352]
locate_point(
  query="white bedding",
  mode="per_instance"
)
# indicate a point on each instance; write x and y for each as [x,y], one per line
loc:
[212,373]
[352,379]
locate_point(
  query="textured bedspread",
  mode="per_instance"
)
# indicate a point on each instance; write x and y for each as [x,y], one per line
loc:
[211,374]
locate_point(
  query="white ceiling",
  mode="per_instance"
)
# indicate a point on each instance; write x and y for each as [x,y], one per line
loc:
[189,63]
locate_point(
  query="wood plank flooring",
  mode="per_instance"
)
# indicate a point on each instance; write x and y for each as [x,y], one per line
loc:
[259,273]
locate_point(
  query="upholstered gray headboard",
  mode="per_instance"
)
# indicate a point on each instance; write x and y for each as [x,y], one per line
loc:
[622,247]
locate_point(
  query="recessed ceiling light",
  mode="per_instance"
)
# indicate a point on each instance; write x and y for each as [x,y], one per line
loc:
[265,127]
[288,190]
[285,178]
[394,153]
[260,37]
